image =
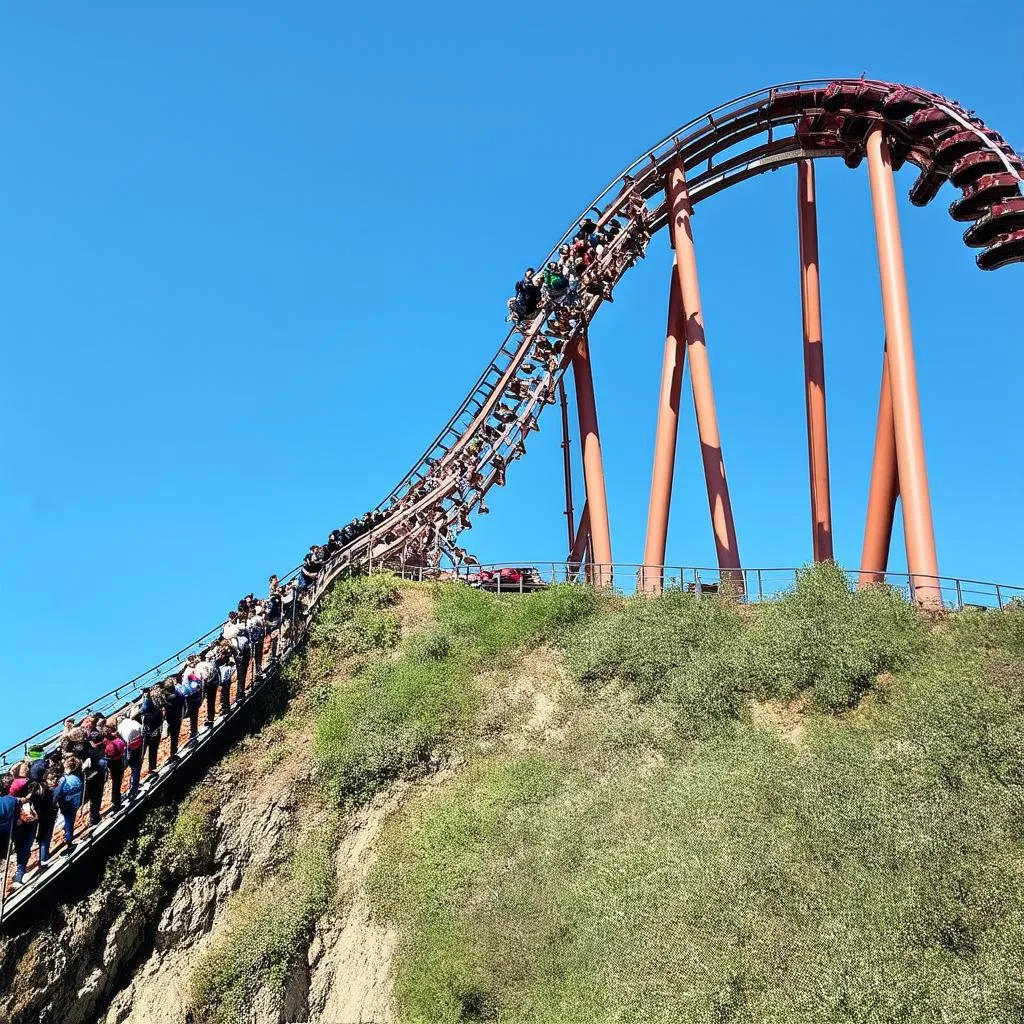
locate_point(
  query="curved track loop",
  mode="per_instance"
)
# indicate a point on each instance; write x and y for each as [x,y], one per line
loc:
[754,133]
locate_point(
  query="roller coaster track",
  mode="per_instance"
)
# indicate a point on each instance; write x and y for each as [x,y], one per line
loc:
[760,131]
[793,123]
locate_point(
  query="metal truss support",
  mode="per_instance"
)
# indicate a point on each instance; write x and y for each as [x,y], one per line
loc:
[665,437]
[883,491]
[680,223]
[593,464]
[566,461]
[922,561]
[814,365]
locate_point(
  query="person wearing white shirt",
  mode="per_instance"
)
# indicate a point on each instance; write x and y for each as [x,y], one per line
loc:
[131,731]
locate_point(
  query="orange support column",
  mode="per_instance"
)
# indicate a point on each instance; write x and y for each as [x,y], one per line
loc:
[566,460]
[882,493]
[651,576]
[913,474]
[814,365]
[593,465]
[680,221]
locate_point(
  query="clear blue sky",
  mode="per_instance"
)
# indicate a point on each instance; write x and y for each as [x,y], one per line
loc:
[253,254]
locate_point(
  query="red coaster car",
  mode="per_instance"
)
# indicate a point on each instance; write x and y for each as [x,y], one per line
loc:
[1004,218]
[1007,249]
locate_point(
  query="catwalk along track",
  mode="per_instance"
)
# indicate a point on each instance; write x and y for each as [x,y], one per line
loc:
[881,124]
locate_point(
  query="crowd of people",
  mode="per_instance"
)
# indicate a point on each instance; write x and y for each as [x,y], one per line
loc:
[581,269]
[95,767]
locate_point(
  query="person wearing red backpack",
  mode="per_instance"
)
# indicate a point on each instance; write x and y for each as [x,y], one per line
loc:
[131,731]
[115,750]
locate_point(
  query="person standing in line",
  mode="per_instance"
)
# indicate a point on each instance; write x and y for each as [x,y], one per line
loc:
[95,767]
[225,675]
[173,697]
[273,609]
[256,628]
[192,691]
[116,752]
[130,730]
[46,812]
[237,637]
[26,823]
[10,813]
[67,797]
[151,715]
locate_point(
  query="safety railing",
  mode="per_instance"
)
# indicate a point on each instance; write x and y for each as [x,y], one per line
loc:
[746,584]
[121,695]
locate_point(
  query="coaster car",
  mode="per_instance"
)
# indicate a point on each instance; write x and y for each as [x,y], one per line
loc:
[970,168]
[979,197]
[1006,249]
[902,102]
[1004,218]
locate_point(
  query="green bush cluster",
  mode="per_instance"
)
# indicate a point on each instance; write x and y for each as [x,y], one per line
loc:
[268,928]
[354,618]
[874,872]
[394,715]
[169,847]
[705,657]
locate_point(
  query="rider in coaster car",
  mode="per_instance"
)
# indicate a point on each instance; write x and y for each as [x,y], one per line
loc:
[527,297]
[556,284]
[587,228]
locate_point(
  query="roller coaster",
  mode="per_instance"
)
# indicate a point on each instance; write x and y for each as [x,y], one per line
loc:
[416,526]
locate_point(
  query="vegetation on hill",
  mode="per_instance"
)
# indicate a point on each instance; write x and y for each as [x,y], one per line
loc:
[670,809]
[807,811]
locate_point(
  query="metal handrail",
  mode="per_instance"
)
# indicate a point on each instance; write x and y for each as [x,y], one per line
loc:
[1002,594]
[114,698]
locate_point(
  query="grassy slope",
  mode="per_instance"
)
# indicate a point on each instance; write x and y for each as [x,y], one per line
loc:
[380,708]
[662,856]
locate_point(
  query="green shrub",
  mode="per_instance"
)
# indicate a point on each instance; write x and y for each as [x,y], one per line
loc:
[396,714]
[488,626]
[387,721]
[352,619]
[170,846]
[824,636]
[268,929]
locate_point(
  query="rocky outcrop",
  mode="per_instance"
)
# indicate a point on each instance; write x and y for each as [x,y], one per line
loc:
[122,954]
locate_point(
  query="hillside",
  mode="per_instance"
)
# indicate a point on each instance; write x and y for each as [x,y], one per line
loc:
[567,806]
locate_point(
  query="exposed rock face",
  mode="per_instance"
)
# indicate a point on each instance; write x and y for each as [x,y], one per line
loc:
[95,960]
[350,956]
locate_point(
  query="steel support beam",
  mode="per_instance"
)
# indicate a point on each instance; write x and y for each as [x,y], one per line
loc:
[814,365]
[593,464]
[882,493]
[566,461]
[680,222]
[666,433]
[922,562]
[578,547]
